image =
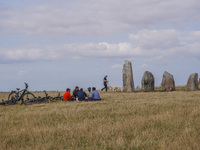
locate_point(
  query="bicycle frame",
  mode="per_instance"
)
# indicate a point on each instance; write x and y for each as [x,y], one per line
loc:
[24,91]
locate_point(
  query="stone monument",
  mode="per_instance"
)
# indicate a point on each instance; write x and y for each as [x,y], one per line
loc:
[147,81]
[128,82]
[168,82]
[199,83]
[192,83]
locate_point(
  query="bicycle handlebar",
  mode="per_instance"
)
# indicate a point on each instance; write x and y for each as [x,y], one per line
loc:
[26,85]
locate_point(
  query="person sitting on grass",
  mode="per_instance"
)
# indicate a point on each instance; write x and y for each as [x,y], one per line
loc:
[75,92]
[67,95]
[89,92]
[81,95]
[95,95]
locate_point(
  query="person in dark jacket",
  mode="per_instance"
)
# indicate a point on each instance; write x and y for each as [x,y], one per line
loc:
[81,95]
[105,81]
[75,92]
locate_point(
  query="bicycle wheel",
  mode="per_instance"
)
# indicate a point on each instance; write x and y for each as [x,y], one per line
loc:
[28,102]
[53,99]
[28,98]
[40,100]
[13,101]
[12,96]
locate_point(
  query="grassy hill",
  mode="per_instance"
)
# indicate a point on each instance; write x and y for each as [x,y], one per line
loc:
[140,120]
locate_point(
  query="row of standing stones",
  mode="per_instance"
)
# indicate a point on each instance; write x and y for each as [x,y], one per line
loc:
[148,80]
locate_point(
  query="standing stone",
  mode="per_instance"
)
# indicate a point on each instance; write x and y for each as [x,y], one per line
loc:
[199,83]
[148,81]
[128,77]
[168,81]
[192,83]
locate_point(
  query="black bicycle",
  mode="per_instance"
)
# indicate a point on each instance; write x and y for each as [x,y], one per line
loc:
[46,98]
[59,97]
[38,100]
[19,95]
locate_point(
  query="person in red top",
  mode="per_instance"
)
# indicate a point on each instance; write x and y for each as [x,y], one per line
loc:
[67,95]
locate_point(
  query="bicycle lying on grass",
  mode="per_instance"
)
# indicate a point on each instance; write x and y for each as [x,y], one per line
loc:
[54,99]
[28,98]
[38,100]
[19,95]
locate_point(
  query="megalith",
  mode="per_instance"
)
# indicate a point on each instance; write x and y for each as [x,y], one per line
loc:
[128,82]
[192,83]
[168,82]
[199,83]
[147,81]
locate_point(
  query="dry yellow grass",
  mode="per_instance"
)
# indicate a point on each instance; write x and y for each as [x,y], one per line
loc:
[150,120]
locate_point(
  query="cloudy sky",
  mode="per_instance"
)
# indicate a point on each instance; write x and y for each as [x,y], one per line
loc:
[54,44]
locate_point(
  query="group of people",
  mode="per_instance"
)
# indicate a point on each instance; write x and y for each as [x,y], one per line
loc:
[80,95]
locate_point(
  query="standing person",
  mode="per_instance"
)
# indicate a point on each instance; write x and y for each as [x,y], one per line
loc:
[81,95]
[95,95]
[75,92]
[105,81]
[67,95]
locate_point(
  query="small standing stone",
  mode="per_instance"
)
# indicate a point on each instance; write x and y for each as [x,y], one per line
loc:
[192,83]
[168,82]
[148,81]
[128,77]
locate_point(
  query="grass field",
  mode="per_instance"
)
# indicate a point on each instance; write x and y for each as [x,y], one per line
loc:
[140,120]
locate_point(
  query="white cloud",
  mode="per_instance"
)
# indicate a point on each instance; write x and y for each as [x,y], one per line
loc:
[116,66]
[143,66]
[96,17]
[167,43]
[160,39]
[22,72]
[149,45]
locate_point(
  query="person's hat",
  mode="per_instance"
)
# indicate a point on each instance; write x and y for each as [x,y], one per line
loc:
[76,87]
[89,88]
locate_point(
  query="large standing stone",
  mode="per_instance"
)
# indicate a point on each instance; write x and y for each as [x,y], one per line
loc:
[128,77]
[148,81]
[199,83]
[192,83]
[168,81]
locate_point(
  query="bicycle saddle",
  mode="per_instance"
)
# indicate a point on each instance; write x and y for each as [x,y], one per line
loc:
[18,89]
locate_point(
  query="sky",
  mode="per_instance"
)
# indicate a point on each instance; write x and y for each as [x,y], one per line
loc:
[54,45]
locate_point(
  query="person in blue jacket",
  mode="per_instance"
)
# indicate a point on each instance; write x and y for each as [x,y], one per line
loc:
[95,95]
[81,95]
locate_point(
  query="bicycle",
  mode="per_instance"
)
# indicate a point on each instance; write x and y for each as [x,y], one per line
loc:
[59,97]
[48,98]
[15,96]
[38,100]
